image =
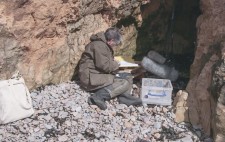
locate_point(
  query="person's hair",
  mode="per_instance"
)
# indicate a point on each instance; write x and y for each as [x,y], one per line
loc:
[113,34]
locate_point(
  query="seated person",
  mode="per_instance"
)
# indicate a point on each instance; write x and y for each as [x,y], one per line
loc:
[98,69]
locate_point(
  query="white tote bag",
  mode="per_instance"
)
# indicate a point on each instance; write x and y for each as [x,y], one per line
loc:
[15,100]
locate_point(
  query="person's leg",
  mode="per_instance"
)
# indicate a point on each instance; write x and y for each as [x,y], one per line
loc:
[129,78]
[118,87]
[128,100]
[99,98]
[126,97]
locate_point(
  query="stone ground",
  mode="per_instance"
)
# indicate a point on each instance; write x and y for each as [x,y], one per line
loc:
[62,114]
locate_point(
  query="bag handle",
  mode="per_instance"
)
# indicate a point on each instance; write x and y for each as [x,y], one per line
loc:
[18,76]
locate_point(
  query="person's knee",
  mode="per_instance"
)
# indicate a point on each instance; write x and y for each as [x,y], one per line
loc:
[118,87]
[126,84]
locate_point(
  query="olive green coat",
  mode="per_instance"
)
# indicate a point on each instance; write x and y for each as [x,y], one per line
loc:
[97,67]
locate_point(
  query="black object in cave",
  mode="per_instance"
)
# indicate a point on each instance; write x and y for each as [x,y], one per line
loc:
[169,35]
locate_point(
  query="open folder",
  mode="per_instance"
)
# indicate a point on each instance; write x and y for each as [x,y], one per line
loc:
[124,63]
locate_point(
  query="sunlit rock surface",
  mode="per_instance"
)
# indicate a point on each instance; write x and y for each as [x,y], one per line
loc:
[44,40]
[203,102]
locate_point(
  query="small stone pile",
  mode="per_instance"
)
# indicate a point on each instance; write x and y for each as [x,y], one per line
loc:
[63,114]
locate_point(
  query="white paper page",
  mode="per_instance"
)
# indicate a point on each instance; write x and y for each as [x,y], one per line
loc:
[127,64]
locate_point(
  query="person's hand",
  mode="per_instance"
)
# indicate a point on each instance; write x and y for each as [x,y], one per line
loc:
[118,62]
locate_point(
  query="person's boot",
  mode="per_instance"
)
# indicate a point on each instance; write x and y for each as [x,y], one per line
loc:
[99,98]
[129,100]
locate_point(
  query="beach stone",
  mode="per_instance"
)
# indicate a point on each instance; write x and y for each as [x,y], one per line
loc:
[165,110]
[185,139]
[140,109]
[48,117]
[157,135]
[127,124]
[146,131]
[63,114]
[68,123]
[133,118]
[157,125]
[63,138]
[120,106]
[93,106]
[48,126]
[158,109]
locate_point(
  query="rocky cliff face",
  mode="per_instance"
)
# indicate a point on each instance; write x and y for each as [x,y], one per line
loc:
[203,106]
[44,40]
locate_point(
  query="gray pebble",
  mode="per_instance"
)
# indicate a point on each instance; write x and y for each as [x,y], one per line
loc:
[48,126]
[63,114]
[63,138]
[78,109]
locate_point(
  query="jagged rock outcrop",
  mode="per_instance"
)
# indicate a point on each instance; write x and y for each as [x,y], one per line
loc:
[203,107]
[218,92]
[44,40]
